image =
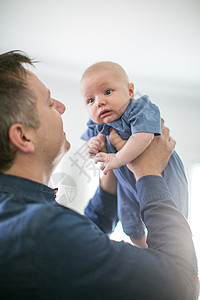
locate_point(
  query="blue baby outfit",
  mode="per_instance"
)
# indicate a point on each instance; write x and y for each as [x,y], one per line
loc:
[140,116]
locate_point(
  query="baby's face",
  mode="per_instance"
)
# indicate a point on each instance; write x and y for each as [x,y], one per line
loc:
[106,95]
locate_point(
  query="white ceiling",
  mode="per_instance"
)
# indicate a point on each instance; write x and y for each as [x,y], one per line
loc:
[151,39]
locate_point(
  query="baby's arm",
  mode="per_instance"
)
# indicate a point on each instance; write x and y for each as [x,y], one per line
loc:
[96,144]
[134,146]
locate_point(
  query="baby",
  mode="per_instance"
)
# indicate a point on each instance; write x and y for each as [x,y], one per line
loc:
[108,96]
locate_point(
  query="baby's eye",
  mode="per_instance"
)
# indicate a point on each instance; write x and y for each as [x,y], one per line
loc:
[108,92]
[91,100]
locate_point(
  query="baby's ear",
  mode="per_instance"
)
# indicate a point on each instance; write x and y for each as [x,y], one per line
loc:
[131,90]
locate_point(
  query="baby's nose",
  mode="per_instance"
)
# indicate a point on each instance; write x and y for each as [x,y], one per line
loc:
[101,101]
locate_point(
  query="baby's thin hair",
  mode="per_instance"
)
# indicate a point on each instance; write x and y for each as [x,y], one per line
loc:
[103,65]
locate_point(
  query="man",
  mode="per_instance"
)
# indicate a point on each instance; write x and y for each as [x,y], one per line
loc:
[51,252]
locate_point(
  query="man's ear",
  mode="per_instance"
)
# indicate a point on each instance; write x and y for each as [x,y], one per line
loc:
[21,138]
[131,90]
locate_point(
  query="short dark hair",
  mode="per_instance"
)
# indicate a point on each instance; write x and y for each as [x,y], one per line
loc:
[17,101]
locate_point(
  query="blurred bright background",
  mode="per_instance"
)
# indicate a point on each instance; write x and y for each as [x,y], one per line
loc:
[157,43]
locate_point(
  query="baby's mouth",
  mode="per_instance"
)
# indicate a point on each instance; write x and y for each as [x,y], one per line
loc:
[104,113]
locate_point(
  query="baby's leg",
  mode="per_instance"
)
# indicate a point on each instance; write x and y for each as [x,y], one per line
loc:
[129,215]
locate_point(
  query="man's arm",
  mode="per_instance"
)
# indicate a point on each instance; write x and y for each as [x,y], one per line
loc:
[102,208]
[168,268]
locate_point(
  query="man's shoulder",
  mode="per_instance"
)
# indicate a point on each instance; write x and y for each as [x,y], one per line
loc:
[59,219]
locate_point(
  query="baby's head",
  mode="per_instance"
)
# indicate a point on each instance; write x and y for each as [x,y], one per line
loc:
[106,91]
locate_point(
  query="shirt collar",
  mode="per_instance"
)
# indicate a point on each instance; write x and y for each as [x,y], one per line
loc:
[24,188]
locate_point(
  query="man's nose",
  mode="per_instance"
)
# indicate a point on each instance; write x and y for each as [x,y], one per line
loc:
[59,106]
[101,101]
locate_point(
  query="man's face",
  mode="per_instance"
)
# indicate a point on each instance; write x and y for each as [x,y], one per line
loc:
[51,142]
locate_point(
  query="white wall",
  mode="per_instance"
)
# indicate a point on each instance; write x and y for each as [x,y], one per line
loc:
[157,42]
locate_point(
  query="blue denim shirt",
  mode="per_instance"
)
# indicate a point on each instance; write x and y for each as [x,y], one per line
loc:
[51,252]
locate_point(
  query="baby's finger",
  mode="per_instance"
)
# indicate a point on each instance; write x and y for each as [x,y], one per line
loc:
[100,143]
[100,157]
[106,169]
[102,166]
[93,148]
[94,142]
[92,151]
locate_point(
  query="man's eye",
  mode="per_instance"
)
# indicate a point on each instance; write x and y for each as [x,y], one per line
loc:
[91,100]
[108,92]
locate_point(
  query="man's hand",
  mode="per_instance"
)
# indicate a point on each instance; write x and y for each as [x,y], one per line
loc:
[116,140]
[156,156]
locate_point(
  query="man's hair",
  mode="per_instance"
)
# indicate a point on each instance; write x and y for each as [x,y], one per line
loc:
[17,102]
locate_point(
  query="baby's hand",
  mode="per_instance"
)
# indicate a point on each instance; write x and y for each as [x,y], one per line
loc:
[96,144]
[109,161]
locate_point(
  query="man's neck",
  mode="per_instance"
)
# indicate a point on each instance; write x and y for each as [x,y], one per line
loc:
[29,170]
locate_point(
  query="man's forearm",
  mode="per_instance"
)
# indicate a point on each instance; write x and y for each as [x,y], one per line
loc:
[168,230]
[102,210]
[168,267]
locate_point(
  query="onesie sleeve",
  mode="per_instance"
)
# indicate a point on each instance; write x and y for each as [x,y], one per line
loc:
[145,117]
[90,132]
